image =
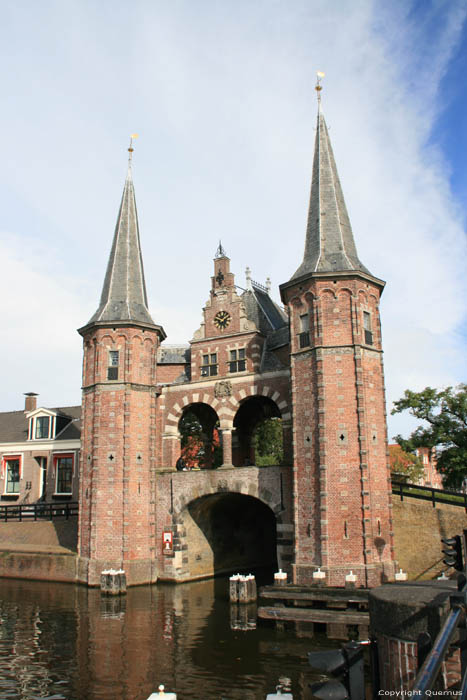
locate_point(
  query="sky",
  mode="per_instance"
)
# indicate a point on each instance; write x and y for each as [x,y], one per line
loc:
[221,94]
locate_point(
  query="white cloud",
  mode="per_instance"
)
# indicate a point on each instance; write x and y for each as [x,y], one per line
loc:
[222,97]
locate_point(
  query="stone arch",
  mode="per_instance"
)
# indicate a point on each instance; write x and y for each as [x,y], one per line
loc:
[272,393]
[227,529]
[191,397]
[327,291]
[362,296]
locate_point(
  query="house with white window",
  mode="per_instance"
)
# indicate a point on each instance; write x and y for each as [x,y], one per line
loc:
[39,452]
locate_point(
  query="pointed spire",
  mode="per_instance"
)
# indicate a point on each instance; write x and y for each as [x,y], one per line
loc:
[124,295]
[329,243]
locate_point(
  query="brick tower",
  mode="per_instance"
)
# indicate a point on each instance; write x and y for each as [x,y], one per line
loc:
[118,415]
[342,488]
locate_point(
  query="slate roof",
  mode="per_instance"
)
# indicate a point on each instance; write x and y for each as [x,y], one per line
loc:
[124,295]
[261,309]
[271,320]
[14,425]
[329,243]
[174,354]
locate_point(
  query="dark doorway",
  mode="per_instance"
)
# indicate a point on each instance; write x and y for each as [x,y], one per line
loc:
[238,533]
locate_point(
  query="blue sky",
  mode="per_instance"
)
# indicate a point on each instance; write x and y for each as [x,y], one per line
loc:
[221,95]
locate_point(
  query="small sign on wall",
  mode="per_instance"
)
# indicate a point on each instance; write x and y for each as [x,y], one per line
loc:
[167,543]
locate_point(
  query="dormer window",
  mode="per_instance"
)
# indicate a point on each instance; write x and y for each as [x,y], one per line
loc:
[42,430]
[114,360]
[42,425]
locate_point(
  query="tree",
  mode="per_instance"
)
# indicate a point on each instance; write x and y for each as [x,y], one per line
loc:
[445,416]
[404,465]
[267,441]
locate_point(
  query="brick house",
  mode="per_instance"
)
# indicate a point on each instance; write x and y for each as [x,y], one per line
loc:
[39,452]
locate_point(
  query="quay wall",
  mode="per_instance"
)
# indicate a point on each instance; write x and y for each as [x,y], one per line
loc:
[47,550]
[418,529]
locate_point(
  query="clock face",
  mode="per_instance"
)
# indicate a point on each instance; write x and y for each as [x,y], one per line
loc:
[222,320]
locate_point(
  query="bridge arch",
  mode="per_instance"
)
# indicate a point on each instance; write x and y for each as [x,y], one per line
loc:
[227,531]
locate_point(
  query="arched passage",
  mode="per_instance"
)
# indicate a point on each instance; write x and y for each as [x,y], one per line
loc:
[200,443]
[224,532]
[249,416]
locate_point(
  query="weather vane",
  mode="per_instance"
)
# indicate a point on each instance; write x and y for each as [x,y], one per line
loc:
[318,86]
[131,149]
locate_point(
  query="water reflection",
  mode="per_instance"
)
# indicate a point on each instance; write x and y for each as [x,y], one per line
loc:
[67,642]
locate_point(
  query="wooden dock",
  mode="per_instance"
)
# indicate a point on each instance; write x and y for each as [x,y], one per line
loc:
[340,609]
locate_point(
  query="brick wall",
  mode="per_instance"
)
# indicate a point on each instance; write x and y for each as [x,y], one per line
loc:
[342,486]
[118,446]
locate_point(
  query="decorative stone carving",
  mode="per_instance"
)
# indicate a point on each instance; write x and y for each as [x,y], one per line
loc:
[223,389]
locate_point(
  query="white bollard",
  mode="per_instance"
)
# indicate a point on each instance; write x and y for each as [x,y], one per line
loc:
[279,694]
[401,576]
[319,576]
[443,577]
[280,578]
[162,694]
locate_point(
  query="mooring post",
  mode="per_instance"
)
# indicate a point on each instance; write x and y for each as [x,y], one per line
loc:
[113,582]
[233,588]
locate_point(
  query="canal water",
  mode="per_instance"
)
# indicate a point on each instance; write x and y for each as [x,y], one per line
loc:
[66,642]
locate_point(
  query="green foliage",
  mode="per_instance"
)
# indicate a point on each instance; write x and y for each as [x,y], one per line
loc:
[445,416]
[405,466]
[267,442]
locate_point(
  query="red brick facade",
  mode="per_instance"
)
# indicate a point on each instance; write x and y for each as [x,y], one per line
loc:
[116,526]
[342,480]
[316,367]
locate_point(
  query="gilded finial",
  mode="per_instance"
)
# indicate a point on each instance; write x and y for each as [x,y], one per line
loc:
[318,86]
[130,148]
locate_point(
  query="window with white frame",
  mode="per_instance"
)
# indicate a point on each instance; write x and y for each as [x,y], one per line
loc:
[42,429]
[63,464]
[12,472]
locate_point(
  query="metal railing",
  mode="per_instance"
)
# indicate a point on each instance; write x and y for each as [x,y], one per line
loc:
[428,493]
[455,622]
[39,511]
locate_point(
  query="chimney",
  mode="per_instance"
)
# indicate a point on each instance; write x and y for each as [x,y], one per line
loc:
[30,403]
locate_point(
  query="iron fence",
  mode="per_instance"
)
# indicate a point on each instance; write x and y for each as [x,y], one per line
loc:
[39,511]
[428,493]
